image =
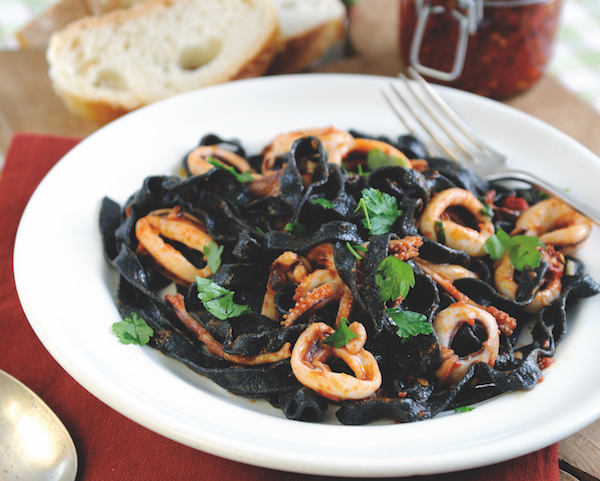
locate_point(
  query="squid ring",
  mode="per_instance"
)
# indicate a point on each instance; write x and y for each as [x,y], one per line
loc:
[198,164]
[309,358]
[555,223]
[446,324]
[289,266]
[506,285]
[179,226]
[330,138]
[457,236]
[363,146]
[320,287]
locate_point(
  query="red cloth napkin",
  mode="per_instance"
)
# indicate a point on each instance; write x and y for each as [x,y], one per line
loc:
[110,446]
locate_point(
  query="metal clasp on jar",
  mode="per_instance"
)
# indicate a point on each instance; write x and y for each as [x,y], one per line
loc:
[468,14]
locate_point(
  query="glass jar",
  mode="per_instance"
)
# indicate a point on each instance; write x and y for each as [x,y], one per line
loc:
[495,48]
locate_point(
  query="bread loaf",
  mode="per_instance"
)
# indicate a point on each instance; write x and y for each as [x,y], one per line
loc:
[36,33]
[106,66]
[309,29]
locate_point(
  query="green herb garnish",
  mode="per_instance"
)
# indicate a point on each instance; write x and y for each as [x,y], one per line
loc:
[440,232]
[213,252]
[463,409]
[297,229]
[394,278]
[323,203]
[133,330]
[522,249]
[381,211]
[243,177]
[341,336]
[378,158]
[353,251]
[409,323]
[219,301]
[487,210]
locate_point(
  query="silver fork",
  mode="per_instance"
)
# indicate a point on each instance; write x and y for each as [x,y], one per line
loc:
[422,110]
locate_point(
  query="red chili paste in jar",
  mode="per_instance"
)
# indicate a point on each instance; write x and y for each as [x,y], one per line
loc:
[506,55]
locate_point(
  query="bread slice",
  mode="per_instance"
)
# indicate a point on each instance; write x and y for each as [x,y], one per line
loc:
[309,29]
[36,34]
[106,66]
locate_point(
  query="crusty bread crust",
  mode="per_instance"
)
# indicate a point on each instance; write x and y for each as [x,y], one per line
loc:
[302,50]
[103,106]
[37,33]
[96,111]
[260,63]
[102,111]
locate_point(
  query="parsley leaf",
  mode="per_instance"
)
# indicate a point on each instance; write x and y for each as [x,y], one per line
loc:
[440,233]
[297,229]
[323,203]
[497,244]
[463,409]
[394,278]
[209,290]
[522,249]
[359,171]
[409,323]
[341,336]
[378,158]
[353,251]
[381,211]
[487,210]
[213,252]
[219,301]
[243,177]
[133,330]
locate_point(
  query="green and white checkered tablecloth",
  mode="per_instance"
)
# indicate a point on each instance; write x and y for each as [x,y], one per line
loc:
[576,63]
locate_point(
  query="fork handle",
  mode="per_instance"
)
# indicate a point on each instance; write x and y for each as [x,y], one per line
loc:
[529,178]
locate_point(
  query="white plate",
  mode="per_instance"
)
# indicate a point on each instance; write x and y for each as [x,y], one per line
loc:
[67,290]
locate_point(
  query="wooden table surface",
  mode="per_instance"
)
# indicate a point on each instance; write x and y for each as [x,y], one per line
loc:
[27,103]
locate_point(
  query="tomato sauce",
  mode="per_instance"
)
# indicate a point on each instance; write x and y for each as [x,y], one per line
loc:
[506,55]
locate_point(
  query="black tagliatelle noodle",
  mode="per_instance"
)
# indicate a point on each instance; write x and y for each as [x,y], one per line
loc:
[298,250]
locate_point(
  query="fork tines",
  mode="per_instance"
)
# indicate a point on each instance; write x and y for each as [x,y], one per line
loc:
[428,117]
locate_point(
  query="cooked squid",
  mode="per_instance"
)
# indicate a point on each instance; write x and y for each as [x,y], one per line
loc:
[423,320]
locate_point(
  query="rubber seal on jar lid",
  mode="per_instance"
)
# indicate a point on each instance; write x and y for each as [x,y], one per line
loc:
[468,15]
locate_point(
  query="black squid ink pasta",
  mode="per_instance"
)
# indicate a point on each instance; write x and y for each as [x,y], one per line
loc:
[340,269]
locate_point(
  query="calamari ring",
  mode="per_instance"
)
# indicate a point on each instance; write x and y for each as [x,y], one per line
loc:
[179,226]
[329,137]
[456,235]
[310,355]
[198,164]
[555,223]
[506,285]
[320,287]
[288,267]
[446,324]
[363,146]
